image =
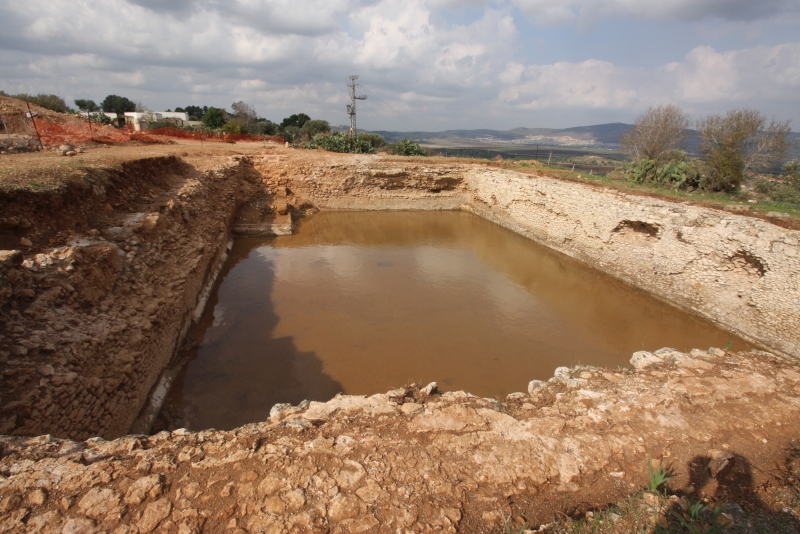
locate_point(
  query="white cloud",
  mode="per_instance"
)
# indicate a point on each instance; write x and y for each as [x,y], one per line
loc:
[426,70]
[557,12]
[705,81]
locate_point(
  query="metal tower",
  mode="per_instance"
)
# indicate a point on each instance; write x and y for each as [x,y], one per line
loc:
[351,107]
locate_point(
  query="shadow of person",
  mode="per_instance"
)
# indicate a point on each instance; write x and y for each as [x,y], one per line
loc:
[726,479]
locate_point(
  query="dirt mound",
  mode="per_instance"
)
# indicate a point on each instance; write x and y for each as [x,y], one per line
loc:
[55,128]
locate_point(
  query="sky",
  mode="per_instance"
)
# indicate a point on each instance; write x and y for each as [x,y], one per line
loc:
[423,64]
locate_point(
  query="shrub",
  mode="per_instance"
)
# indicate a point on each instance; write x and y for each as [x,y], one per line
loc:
[266,127]
[407,147]
[290,133]
[763,185]
[676,173]
[100,118]
[743,140]
[791,173]
[233,126]
[51,102]
[312,128]
[374,139]
[214,118]
[339,142]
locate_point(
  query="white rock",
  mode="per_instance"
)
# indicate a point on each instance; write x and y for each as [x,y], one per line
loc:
[642,359]
[430,389]
[535,385]
[561,373]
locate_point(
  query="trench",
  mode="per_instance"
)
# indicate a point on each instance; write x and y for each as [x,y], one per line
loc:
[361,302]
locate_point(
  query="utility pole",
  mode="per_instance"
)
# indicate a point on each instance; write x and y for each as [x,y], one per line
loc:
[351,107]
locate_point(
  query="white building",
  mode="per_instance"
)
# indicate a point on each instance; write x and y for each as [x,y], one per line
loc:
[140,119]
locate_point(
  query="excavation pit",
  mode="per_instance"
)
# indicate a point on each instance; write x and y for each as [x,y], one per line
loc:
[364,302]
[107,270]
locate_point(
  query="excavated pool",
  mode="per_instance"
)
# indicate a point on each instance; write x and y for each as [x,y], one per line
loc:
[360,302]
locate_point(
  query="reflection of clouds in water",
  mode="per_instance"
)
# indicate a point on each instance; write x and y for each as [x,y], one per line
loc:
[515,308]
[302,265]
[440,266]
[219,315]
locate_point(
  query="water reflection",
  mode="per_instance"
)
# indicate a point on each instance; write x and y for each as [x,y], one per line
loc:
[360,302]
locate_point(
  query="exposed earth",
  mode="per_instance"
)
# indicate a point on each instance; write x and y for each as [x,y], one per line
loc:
[108,255]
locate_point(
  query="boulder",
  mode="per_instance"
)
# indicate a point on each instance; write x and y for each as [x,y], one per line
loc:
[535,385]
[642,359]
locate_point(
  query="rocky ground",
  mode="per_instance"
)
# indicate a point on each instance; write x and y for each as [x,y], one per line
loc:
[413,460]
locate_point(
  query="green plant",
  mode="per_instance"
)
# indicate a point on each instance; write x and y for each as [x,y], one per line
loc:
[741,141]
[675,174]
[117,104]
[508,529]
[86,105]
[696,523]
[100,118]
[339,142]
[314,127]
[233,126]
[791,173]
[407,147]
[214,118]
[51,102]
[658,476]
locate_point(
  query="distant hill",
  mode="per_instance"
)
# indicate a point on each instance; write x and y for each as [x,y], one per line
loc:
[597,136]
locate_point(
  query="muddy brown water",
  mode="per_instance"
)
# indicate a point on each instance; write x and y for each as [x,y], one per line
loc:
[363,302]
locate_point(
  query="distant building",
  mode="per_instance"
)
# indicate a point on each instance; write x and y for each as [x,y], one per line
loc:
[139,119]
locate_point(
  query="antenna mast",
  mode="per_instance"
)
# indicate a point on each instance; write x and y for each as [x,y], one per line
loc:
[351,107]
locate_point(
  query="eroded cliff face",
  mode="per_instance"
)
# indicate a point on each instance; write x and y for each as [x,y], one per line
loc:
[91,323]
[416,461]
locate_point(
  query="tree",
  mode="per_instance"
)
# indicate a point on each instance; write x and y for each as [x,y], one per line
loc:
[375,140]
[297,120]
[246,115]
[741,141]
[655,132]
[195,112]
[117,104]
[86,105]
[266,127]
[214,118]
[314,127]
[290,133]
[51,102]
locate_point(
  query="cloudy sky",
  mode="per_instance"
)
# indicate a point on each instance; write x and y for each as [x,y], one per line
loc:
[425,64]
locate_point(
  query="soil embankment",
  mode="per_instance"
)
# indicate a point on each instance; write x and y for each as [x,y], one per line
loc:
[102,275]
